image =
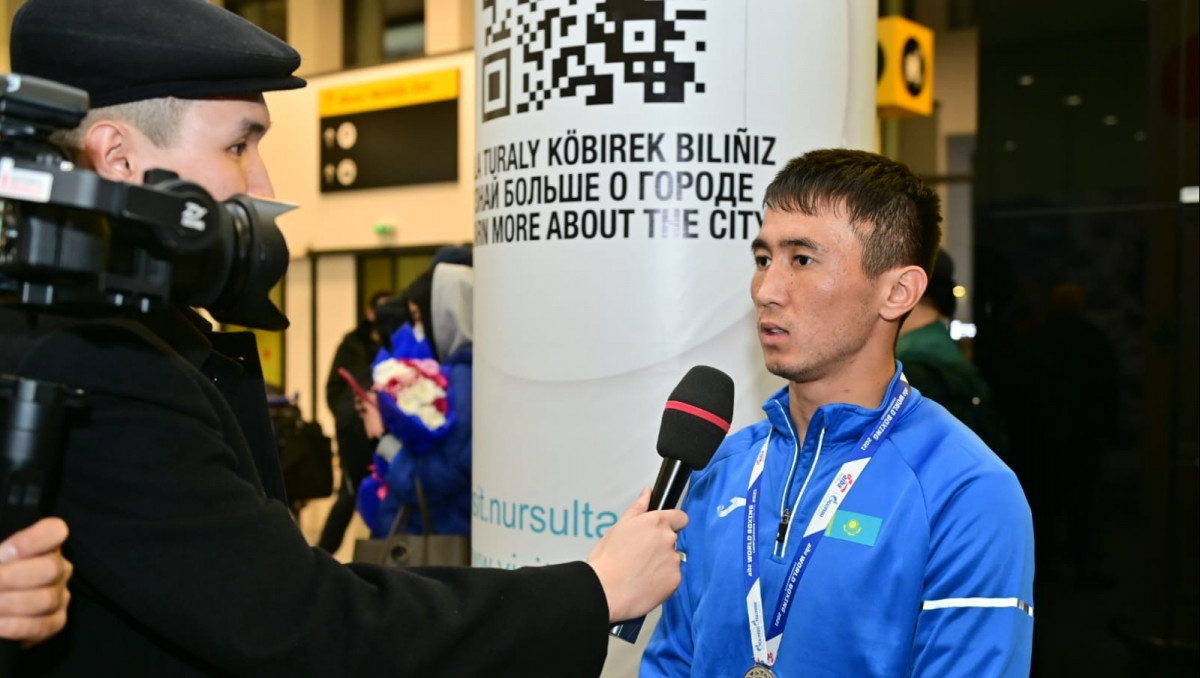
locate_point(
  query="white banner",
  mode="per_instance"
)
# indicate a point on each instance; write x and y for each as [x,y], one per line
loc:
[622,151]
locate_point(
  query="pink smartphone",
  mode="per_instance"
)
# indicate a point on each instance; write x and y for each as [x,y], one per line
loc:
[358,389]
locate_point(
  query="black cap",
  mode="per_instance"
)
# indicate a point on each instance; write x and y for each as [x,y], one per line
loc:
[121,51]
[453,254]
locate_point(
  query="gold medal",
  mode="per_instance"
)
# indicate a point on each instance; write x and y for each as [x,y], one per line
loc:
[759,671]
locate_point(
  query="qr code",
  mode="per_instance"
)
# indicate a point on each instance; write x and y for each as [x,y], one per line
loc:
[539,50]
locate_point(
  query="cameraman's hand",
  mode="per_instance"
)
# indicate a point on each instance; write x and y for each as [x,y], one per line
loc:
[636,560]
[33,582]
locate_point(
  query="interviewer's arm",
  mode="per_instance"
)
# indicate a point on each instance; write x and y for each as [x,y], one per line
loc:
[175,533]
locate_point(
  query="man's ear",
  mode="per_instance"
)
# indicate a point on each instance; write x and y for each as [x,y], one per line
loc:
[906,286]
[110,147]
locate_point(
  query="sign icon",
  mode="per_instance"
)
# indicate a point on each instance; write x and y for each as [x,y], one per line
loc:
[904,57]
[347,135]
[914,67]
[347,172]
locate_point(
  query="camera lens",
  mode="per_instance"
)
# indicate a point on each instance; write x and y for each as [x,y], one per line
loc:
[257,258]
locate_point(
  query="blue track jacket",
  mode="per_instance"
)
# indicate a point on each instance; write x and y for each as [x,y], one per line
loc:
[940,583]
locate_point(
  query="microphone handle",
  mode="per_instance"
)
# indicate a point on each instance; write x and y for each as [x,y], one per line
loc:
[672,478]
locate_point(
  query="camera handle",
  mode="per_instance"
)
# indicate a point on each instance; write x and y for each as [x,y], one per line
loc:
[32,422]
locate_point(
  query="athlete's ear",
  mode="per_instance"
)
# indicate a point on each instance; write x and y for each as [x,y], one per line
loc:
[904,288]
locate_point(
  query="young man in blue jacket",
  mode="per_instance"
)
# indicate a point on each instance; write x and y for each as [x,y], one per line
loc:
[860,530]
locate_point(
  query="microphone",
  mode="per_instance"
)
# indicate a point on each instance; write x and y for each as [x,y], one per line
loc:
[694,422]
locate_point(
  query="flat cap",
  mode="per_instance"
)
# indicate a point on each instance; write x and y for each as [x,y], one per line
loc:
[121,51]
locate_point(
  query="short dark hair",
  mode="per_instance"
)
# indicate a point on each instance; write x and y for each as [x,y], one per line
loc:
[420,292]
[894,213]
[940,291]
[379,297]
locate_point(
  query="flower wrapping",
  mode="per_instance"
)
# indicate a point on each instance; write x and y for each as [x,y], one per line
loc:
[371,494]
[413,402]
[406,342]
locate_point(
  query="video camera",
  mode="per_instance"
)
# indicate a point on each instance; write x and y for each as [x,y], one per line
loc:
[79,243]
[73,243]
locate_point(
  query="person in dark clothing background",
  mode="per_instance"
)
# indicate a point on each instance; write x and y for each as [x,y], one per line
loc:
[936,366]
[1088,424]
[413,305]
[355,354]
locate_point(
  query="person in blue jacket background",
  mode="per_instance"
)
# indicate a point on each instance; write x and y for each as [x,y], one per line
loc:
[444,465]
[860,529]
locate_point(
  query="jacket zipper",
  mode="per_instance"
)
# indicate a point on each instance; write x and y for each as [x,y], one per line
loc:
[785,522]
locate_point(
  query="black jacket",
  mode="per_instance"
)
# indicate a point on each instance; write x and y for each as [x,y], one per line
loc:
[355,353]
[188,563]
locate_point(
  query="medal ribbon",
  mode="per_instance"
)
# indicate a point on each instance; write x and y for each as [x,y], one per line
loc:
[763,640]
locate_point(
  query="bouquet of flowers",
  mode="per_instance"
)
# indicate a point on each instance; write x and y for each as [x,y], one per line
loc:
[411,394]
[412,397]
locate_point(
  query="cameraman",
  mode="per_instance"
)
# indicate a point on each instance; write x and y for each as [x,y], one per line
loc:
[187,561]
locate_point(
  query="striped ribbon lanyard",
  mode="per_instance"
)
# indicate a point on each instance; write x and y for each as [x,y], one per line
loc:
[764,639]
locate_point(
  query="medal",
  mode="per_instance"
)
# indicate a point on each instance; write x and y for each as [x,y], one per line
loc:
[759,671]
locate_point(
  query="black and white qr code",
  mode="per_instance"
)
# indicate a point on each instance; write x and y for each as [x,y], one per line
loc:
[539,50]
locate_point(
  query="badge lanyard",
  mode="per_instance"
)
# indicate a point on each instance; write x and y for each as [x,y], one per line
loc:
[763,639]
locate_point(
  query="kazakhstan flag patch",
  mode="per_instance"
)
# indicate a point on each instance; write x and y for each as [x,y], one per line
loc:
[855,527]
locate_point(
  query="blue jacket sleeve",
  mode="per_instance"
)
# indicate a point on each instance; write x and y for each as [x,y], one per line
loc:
[976,618]
[669,652]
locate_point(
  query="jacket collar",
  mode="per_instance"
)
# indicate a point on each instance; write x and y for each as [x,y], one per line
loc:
[184,330]
[219,355]
[842,422]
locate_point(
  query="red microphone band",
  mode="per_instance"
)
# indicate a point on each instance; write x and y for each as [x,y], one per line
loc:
[697,412]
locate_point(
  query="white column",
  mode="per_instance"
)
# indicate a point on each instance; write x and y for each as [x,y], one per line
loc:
[657,140]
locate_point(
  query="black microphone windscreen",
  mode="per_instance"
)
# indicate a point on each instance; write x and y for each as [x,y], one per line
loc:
[696,417]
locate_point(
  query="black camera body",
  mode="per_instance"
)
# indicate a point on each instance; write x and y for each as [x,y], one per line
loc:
[79,243]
